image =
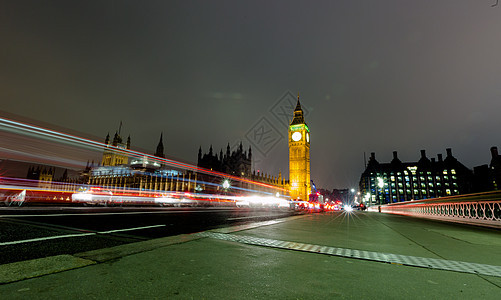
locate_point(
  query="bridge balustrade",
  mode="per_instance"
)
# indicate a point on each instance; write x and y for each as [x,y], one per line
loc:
[482,209]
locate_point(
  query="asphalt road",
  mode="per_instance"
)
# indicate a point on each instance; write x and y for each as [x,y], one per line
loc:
[35,232]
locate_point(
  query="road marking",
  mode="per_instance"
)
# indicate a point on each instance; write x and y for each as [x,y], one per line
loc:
[253,217]
[77,235]
[130,229]
[106,214]
[46,238]
[413,261]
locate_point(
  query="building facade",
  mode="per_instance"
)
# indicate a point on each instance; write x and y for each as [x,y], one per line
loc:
[236,163]
[495,169]
[397,181]
[112,156]
[299,156]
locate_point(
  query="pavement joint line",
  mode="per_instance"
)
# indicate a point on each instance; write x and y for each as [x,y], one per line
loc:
[412,261]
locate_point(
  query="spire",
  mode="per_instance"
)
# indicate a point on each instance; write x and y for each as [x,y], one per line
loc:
[128,142]
[160,147]
[298,105]
[298,114]
[107,140]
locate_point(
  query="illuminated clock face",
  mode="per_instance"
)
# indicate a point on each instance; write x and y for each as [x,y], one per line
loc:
[296,136]
[307,137]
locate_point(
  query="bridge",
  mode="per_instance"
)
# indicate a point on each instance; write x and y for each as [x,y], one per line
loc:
[196,233]
[361,255]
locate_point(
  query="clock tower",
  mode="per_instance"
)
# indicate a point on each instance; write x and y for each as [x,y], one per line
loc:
[299,156]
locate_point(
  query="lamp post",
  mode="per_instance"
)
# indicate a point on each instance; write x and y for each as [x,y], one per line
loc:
[380,184]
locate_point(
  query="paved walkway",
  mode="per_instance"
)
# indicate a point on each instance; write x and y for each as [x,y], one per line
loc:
[363,255]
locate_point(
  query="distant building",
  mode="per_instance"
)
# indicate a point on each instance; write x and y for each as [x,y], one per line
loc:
[495,169]
[398,181]
[299,156]
[112,155]
[236,163]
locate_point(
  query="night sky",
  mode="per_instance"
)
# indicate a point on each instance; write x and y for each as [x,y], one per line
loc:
[373,76]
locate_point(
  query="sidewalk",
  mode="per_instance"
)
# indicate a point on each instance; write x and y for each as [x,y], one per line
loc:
[280,259]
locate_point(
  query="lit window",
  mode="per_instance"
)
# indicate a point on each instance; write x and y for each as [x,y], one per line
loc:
[445,172]
[453,171]
[448,192]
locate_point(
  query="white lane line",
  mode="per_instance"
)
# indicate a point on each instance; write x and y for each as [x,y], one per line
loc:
[130,229]
[103,214]
[77,235]
[253,217]
[46,238]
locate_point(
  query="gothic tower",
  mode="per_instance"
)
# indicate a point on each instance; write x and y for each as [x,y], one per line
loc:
[113,154]
[160,147]
[299,156]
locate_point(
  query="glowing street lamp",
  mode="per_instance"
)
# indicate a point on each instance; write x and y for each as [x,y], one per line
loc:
[226,184]
[380,184]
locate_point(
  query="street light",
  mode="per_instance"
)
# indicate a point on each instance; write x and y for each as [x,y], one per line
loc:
[226,184]
[380,184]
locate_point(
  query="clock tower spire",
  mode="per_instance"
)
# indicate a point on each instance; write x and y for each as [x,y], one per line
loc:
[299,156]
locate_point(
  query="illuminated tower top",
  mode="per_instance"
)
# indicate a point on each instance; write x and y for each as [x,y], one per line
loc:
[298,114]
